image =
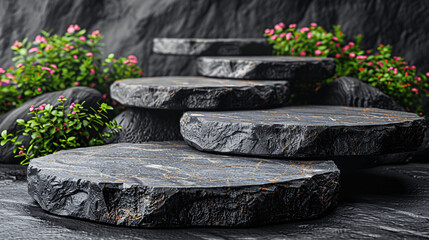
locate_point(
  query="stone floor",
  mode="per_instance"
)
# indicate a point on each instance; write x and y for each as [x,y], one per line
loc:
[389,202]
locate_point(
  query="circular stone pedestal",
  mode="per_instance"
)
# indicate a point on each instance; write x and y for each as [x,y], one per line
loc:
[304,131]
[169,184]
[183,93]
[266,68]
[212,47]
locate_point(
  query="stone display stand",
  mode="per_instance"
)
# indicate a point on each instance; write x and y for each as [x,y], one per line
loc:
[169,184]
[304,131]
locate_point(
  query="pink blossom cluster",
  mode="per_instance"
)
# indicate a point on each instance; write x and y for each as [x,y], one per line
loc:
[40,39]
[51,71]
[17,44]
[40,108]
[96,33]
[68,47]
[72,28]
[131,60]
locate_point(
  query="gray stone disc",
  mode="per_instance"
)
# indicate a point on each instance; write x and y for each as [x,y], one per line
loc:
[304,131]
[212,46]
[267,68]
[169,184]
[183,93]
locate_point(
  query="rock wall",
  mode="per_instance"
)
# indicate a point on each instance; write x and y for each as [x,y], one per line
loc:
[130,25]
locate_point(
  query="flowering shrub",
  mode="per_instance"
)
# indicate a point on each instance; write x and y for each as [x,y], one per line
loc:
[392,75]
[54,62]
[63,127]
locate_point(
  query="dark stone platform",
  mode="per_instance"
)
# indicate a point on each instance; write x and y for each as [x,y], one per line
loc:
[183,93]
[212,46]
[142,125]
[304,131]
[169,184]
[386,202]
[267,68]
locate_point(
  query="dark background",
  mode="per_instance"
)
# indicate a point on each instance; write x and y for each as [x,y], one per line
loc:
[130,25]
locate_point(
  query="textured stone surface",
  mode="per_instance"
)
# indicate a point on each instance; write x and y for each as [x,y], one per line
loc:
[386,202]
[169,184]
[183,93]
[142,125]
[304,131]
[352,92]
[265,68]
[8,120]
[212,46]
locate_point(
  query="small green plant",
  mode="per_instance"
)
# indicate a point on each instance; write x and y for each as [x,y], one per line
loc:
[63,127]
[55,62]
[391,74]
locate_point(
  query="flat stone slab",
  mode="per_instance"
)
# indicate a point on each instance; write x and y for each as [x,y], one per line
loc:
[183,93]
[169,184]
[212,46]
[267,68]
[304,131]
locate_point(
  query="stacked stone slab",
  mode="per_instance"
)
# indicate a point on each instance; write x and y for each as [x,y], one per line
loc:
[179,55]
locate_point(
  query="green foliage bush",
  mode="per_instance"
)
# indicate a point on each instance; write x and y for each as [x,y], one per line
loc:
[56,128]
[55,62]
[391,74]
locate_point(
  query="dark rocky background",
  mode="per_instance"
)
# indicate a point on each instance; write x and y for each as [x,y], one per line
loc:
[130,25]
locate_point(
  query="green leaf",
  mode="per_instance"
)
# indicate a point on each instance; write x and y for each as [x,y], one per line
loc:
[4,134]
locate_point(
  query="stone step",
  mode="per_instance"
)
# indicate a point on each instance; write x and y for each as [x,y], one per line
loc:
[184,93]
[267,68]
[169,184]
[212,46]
[304,131]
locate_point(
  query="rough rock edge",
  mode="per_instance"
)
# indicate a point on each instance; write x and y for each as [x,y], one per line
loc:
[206,98]
[300,141]
[180,207]
[265,70]
[212,47]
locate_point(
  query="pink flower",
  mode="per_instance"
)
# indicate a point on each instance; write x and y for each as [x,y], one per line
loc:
[292,25]
[31,108]
[76,83]
[427,74]
[390,68]
[303,53]
[141,72]
[82,38]
[352,55]
[41,107]
[318,52]
[337,55]
[39,89]
[282,25]
[418,78]
[132,57]
[380,63]
[61,97]
[54,66]
[288,35]
[96,33]
[76,27]
[72,105]
[282,35]
[70,29]
[370,63]
[46,68]
[395,71]
[334,38]
[89,54]
[106,78]
[318,43]
[277,27]
[267,31]
[10,75]
[17,44]
[75,56]
[40,39]
[22,146]
[19,65]
[31,50]
[92,71]
[274,37]
[104,96]
[49,47]
[337,45]
[361,57]
[2,70]
[347,47]
[21,152]
[415,90]
[304,29]
[313,24]
[74,112]
[309,35]
[413,67]
[351,44]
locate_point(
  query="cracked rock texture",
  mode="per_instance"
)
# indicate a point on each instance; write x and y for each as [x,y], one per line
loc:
[183,93]
[8,120]
[142,125]
[169,184]
[267,68]
[352,92]
[212,46]
[304,131]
